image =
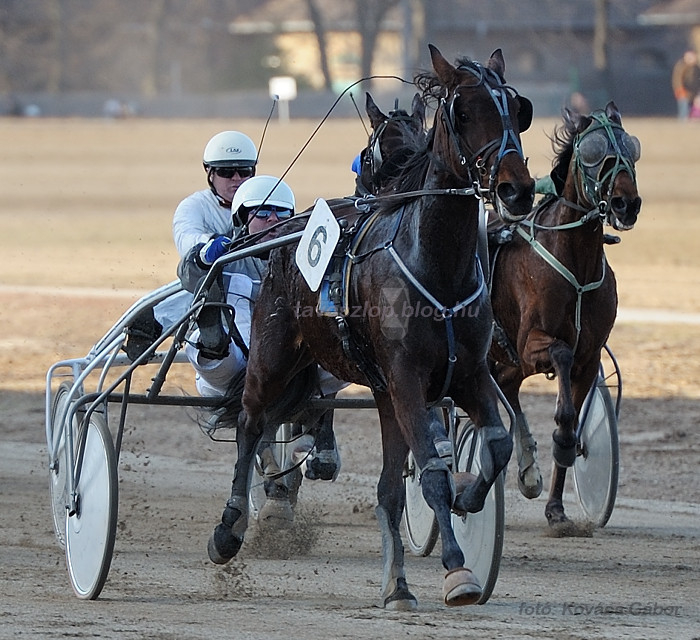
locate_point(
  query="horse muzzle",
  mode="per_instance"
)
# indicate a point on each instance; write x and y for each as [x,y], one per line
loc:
[514,200]
[624,212]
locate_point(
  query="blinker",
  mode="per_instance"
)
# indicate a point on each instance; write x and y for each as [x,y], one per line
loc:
[594,147]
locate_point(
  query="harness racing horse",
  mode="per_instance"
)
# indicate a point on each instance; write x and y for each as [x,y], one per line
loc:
[417,252]
[393,140]
[554,295]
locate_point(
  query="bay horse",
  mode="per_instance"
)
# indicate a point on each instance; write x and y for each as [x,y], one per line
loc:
[554,294]
[416,251]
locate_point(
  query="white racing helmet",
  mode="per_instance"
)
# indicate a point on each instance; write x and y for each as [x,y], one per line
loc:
[258,191]
[230,149]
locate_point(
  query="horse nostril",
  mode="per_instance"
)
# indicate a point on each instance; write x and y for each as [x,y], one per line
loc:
[636,205]
[512,194]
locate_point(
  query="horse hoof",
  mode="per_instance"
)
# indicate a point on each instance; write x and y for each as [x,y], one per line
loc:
[472,499]
[563,451]
[463,481]
[401,599]
[323,465]
[554,512]
[529,489]
[401,602]
[461,588]
[223,545]
[276,513]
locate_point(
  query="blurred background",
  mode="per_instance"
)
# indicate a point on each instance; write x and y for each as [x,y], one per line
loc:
[215,58]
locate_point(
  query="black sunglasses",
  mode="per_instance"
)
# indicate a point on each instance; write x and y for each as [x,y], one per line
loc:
[267,211]
[229,172]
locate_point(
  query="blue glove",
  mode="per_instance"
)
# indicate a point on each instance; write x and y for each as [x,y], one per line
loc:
[214,249]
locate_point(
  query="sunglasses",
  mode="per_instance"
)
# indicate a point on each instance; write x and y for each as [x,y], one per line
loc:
[267,211]
[229,172]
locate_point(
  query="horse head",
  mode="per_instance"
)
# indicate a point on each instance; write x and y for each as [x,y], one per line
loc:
[394,138]
[604,157]
[484,117]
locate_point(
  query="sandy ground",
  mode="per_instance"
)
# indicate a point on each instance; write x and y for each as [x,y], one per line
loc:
[77,252]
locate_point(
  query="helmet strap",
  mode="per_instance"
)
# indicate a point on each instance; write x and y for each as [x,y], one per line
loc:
[222,201]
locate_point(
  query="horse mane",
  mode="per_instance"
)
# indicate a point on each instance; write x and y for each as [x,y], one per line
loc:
[431,87]
[563,147]
[411,171]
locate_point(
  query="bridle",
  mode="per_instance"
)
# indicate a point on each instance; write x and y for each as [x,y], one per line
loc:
[508,142]
[590,157]
[373,159]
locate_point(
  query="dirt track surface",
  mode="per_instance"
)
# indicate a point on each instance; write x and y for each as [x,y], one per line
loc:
[636,578]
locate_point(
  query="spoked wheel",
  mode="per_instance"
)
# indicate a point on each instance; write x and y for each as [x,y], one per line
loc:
[282,462]
[91,530]
[596,469]
[57,472]
[480,535]
[419,521]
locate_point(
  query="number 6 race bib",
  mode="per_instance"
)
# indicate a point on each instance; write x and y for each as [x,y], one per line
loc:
[315,249]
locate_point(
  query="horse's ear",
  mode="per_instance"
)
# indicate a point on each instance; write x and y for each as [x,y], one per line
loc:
[418,108]
[444,70]
[574,121]
[524,113]
[376,117]
[497,63]
[613,112]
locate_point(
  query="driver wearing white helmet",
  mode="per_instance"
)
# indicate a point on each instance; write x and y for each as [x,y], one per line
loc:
[258,206]
[260,203]
[229,159]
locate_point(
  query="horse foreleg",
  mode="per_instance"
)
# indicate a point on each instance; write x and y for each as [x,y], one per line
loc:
[461,586]
[529,474]
[478,397]
[227,538]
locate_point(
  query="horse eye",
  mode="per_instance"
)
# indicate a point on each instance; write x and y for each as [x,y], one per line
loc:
[633,146]
[592,148]
[463,117]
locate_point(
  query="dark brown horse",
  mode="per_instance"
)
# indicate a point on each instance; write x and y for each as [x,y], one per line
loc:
[554,295]
[416,320]
[393,139]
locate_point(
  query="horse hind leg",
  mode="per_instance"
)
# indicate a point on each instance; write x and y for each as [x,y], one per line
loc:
[554,509]
[529,474]
[564,436]
[226,540]
[391,499]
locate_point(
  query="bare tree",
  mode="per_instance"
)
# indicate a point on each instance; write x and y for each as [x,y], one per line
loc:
[370,15]
[320,31]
